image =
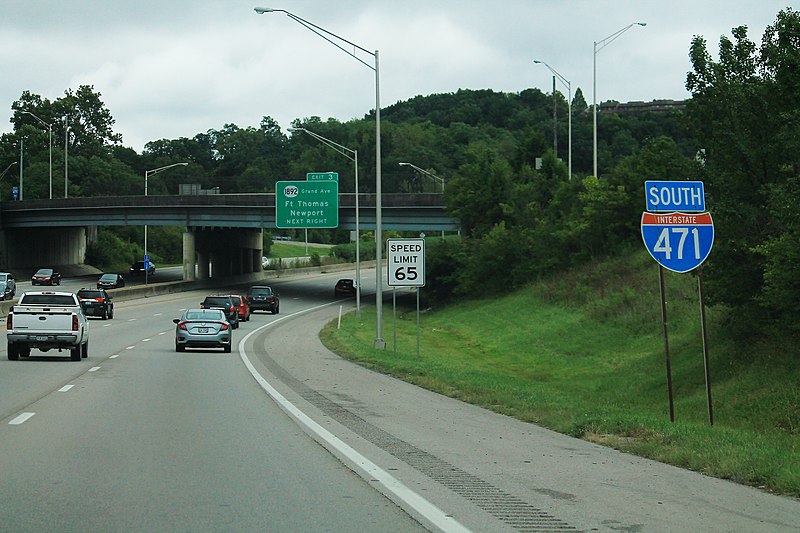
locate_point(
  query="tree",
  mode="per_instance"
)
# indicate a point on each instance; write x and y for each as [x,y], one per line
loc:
[744,111]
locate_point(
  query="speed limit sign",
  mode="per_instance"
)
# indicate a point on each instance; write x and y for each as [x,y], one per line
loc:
[406,262]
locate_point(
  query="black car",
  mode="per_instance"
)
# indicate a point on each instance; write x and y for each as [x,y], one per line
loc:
[110,281]
[226,305]
[137,268]
[96,302]
[263,297]
[344,287]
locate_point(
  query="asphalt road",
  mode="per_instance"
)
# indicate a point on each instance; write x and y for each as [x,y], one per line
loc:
[286,436]
[173,273]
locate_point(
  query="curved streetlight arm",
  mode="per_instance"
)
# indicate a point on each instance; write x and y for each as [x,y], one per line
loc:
[561,78]
[423,171]
[613,37]
[322,32]
[7,169]
[148,173]
[37,118]
[345,151]
[161,169]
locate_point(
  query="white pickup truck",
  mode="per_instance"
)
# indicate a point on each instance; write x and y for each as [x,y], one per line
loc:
[47,320]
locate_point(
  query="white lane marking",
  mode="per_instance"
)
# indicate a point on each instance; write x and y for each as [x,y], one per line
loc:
[163,333]
[131,320]
[94,369]
[145,340]
[114,356]
[130,347]
[425,508]
[65,388]
[21,419]
[158,314]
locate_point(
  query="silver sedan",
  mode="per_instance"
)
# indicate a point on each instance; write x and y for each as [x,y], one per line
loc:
[202,328]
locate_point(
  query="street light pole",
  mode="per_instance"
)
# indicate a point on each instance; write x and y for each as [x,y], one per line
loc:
[352,155]
[330,36]
[567,83]
[21,150]
[599,45]
[147,174]
[66,157]
[423,171]
[50,130]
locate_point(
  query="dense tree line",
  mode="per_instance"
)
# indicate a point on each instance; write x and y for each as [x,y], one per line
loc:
[522,215]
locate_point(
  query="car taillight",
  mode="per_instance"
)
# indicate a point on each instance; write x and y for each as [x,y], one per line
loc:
[224,326]
[10,321]
[271,299]
[232,309]
[182,325]
[74,322]
[101,300]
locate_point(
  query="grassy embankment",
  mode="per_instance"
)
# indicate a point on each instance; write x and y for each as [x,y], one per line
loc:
[583,353]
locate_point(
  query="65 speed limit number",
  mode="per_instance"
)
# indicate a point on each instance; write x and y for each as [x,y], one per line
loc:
[406,262]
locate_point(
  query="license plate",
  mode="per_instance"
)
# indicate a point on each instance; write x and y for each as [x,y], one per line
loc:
[202,330]
[41,337]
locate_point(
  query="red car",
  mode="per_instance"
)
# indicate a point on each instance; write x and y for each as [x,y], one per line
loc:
[46,276]
[242,306]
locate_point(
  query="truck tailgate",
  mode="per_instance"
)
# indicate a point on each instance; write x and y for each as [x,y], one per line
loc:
[42,319]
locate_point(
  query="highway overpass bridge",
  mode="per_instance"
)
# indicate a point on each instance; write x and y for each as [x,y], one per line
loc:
[223,232]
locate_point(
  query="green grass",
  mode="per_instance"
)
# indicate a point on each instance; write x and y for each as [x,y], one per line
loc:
[583,353]
[282,250]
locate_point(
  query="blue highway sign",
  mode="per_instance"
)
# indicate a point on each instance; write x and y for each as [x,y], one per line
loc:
[668,196]
[678,241]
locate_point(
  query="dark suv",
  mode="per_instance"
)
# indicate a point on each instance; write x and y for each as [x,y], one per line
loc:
[96,302]
[226,305]
[263,297]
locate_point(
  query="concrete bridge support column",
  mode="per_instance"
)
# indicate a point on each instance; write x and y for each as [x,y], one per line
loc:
[202,265]
[189,256]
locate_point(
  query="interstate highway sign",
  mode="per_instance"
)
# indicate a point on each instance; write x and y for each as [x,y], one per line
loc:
[307,204]
[678,241]
[668,196]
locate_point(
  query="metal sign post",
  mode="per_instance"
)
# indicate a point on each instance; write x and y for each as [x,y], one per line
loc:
[679,235]
[405,261]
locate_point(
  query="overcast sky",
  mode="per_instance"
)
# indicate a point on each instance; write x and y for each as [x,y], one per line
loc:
[175,68]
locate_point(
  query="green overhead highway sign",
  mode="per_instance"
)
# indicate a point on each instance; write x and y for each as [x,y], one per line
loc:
[306,204]
[322,176]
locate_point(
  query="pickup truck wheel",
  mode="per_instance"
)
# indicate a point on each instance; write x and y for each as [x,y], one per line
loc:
[85,350]
[13,353]
[75,353]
